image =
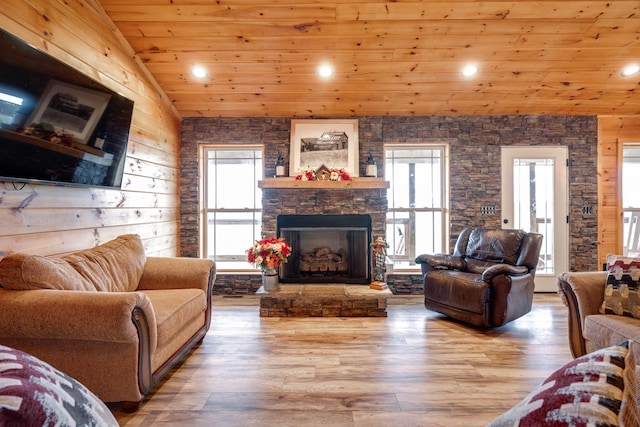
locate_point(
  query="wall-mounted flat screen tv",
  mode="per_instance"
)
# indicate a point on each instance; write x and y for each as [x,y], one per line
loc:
[58,126]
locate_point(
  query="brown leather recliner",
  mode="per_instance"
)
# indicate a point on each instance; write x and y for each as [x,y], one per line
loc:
[488,281]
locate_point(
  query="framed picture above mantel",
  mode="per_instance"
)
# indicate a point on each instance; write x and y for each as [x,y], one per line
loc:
[330,142]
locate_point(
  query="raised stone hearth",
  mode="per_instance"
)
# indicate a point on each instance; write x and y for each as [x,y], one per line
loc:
[324,300]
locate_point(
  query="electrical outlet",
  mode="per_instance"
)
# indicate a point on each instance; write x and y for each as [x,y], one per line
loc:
[487,210]
[587,210]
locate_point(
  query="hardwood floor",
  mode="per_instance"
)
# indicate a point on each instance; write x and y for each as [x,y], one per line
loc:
[413,368]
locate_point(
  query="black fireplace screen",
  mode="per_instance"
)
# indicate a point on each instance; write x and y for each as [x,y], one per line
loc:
[326,248]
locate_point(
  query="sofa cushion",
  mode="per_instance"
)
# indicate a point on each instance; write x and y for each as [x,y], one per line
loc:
[33,393]
[113,266]
[596,389]
[622,291]
[174,308]
[605,330]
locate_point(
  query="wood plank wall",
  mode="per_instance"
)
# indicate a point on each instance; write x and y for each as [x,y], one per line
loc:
[49,220]
[613,132]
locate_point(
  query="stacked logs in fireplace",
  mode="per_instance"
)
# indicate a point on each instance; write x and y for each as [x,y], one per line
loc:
[323,260]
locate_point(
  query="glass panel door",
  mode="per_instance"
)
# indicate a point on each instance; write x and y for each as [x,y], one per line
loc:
[534,199]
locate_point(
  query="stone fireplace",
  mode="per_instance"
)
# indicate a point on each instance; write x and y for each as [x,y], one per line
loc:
[329,225]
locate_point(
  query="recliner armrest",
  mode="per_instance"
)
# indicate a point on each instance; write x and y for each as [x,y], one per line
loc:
[508,269]
[441,261]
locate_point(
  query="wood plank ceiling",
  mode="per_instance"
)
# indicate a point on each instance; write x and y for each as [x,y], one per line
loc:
[397,57]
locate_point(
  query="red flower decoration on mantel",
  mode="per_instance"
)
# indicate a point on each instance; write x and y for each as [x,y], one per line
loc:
[335,174]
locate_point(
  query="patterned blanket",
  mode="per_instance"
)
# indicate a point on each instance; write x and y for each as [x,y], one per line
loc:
[33,393]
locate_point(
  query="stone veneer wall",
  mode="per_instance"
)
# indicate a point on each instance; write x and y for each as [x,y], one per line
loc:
[324,201]
[474,142]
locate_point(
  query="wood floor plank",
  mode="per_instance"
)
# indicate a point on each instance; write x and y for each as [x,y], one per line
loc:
[414,368]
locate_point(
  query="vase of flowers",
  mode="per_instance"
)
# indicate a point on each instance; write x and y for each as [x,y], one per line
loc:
[269,254]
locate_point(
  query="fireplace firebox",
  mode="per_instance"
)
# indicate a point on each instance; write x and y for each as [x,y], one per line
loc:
[326,248]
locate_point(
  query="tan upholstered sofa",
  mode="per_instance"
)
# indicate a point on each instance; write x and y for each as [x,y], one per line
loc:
[589,330]
[112,318]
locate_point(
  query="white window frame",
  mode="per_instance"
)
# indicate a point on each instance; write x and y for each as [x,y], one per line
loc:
[630,212]
[443,208]
[205,210]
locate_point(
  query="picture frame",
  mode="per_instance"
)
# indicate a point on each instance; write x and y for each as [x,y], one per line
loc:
[330,142]
[70,108]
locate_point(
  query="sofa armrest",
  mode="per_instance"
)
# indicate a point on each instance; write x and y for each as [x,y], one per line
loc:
[178,273]
[582,293]
[75,315]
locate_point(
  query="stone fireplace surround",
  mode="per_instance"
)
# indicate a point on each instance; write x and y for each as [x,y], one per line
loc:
[287,196]
[363,196]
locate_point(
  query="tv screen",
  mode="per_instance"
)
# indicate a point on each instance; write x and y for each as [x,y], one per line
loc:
[58,126]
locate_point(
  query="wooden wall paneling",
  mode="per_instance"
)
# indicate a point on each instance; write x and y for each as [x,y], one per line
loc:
[150,170]
[60,242]
[48,219]
[31,196]
[613,131]
[43,220]
[82,49]
[153,152]
[150,184]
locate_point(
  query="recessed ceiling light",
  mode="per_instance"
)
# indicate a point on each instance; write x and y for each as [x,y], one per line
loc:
[470,70]
[325,70]
[630,70]
[199,71]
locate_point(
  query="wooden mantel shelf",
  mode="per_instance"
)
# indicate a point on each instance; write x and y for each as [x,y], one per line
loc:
[355,184]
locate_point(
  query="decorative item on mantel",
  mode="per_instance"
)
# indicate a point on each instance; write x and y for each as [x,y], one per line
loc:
[378,263]
[269,254]
[371,170]
[323,173]
[280,170]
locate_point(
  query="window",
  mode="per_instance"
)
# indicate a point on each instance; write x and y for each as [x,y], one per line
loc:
[417,216]
[631,199]
[232,203]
